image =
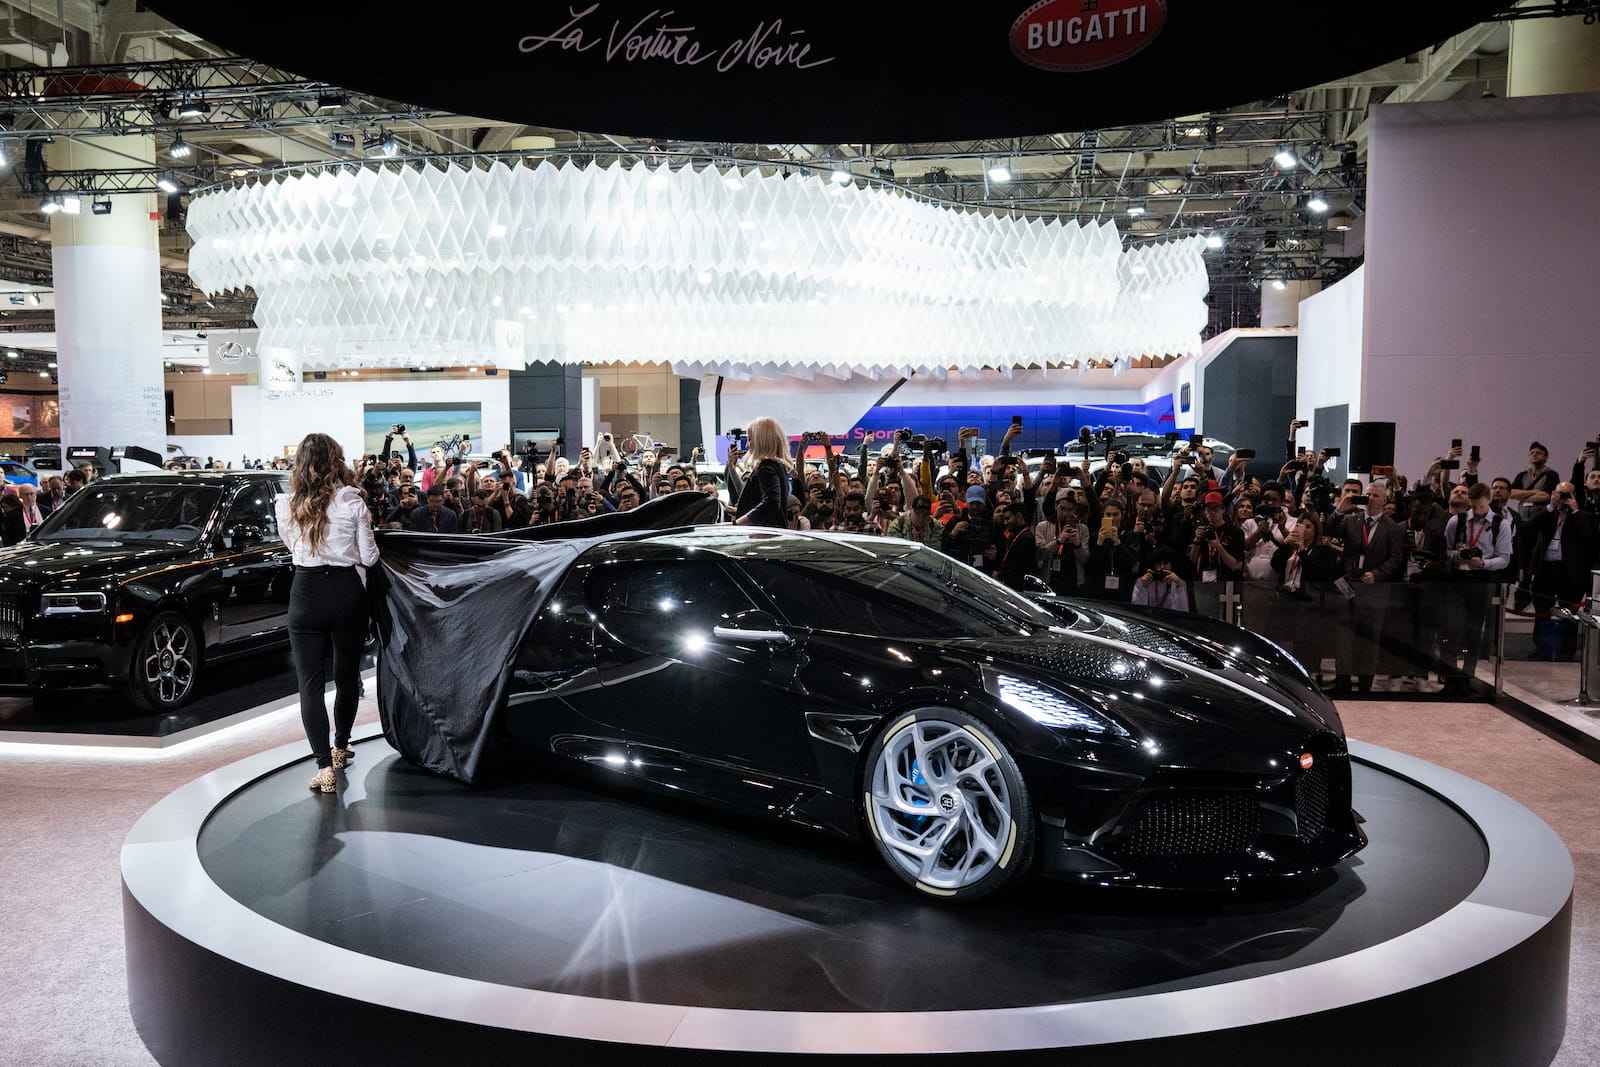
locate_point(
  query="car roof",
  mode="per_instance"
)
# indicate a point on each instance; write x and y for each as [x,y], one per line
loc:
[760,543]
[198,477]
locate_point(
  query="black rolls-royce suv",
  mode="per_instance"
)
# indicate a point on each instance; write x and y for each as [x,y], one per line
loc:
[141,581]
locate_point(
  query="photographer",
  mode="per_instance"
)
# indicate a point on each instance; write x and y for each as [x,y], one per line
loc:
[1562,549]
[1112,563]
[1374,559]
[1015,557]
[1217,550]
[853,515]
[1062,545]
[481,517]
[1159,587]
[970,533]
[917,524]
[388,441]
[1479,555]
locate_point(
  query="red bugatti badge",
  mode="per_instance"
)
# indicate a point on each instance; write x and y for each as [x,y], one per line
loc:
[1074,35]
[1305,761]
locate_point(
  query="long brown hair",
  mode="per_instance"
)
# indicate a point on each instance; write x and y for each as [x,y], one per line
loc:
[319,472]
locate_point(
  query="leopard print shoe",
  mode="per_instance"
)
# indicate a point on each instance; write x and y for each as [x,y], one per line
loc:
[324,782]
[341,756]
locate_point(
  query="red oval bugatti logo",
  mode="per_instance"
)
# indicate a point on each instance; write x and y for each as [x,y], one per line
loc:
[1085,34]
[1305,761]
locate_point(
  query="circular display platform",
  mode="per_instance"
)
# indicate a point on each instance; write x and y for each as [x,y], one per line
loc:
[407,916]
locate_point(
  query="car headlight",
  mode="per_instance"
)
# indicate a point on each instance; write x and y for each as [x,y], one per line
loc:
[1049,708]
[71,603]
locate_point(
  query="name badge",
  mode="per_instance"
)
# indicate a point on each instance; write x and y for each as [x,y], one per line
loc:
[1113,582]
[1208,576]
[977,561]
[1055,565]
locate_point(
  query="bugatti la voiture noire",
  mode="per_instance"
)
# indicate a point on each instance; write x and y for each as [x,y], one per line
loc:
[874,688]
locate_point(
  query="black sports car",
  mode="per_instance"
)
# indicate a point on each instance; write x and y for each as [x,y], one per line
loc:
[140,580]
[867,686]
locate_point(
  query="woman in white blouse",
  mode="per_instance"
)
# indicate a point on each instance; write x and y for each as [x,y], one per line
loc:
[325,523]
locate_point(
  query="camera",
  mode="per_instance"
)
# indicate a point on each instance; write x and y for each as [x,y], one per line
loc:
[1333,452]
[1299,424]
[903,434]
[1120,458]
[1246,453]
[737,434]
[398,427]
[1360,501]
[1107,435]
[605,437]
[935,444]
[1471,553]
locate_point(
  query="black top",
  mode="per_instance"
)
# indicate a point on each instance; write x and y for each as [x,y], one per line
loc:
[765,497]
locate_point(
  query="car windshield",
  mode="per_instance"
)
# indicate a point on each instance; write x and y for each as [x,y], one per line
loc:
[133,512]
[893,588]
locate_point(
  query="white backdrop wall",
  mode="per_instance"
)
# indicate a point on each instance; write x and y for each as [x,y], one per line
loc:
[1330,364]
[265,428]
[1480,277]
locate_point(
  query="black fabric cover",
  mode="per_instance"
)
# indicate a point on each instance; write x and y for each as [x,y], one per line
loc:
[448,606]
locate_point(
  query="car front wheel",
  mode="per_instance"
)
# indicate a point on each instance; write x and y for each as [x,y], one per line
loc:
[947,807]
[165,663]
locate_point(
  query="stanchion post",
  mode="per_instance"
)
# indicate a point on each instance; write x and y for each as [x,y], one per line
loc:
[1498,606]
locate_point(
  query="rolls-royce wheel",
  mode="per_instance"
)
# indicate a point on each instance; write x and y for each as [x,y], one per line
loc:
[946,806]
[165,663]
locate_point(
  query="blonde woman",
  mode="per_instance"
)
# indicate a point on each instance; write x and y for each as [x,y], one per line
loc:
[324,522]
[763,500]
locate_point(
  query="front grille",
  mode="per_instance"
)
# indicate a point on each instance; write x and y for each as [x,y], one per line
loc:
[1311,800]
[1154,640]
[1194,824]
[10,616]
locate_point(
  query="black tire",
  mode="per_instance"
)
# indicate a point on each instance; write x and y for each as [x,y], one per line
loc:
[977,835]
[164,666]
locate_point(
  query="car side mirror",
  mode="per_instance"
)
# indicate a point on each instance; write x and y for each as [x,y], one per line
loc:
[1032,583]
[753,625]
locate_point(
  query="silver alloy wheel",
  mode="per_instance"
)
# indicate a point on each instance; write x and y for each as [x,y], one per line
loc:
[167,667]
[940,804]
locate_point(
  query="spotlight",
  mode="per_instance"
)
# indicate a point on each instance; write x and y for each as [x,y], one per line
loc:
[193,108]
[338,139]
[1285,158]
[1213,240]
[180,148]
[12,353]
[1339,222]
[328,101]
[1316,203]
[101,207]
[1313,160]
[5,160]
[1278,283]
[383,141]
[1136,210]
[166,184]
[999,171]
[49,205]
[842,175]
[70,204]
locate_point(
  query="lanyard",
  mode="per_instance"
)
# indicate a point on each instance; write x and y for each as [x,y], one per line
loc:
[1472,541]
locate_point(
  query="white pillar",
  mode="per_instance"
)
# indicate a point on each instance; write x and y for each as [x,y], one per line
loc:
[1281,307]
[108,308]
[1550,56]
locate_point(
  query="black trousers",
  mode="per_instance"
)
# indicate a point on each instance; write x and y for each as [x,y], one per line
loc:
[327,612]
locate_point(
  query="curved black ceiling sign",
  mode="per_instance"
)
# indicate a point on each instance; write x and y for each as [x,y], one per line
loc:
[858,72]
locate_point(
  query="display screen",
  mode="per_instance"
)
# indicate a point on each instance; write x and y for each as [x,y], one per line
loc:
[442,424]
[35,416]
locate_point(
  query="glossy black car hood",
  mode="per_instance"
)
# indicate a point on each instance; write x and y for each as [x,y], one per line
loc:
[87,560]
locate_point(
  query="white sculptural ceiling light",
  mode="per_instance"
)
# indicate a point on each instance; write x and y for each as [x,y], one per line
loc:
[712,271]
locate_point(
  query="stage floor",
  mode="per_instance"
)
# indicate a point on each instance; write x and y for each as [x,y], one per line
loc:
[574,912]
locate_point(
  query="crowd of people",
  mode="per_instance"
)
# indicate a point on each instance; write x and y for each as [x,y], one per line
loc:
[1386,554]
[1389,562]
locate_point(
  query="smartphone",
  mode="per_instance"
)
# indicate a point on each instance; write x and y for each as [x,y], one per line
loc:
[1334,452]
[1476,456]
[1455,442]
[1246,453]
[1016,420]
[1196,440]
[1108,524]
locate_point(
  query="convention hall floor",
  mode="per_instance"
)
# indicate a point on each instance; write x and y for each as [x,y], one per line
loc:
[67,814]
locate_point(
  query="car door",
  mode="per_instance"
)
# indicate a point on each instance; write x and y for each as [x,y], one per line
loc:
[254,565]
[727,705]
